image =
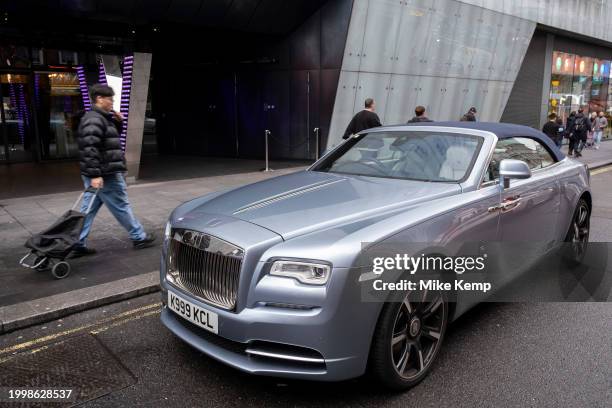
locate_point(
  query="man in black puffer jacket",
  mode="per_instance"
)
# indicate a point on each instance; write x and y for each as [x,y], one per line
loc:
[103,166]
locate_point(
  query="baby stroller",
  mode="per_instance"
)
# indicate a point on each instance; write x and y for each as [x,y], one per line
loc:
[49,249]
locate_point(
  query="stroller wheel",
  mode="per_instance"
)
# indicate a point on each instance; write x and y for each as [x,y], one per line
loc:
[60,270]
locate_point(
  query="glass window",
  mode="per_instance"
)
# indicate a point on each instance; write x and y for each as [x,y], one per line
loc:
[59,102]
[528,150]
[412,155]
[561,96]
[599,85]
[16,118]
[579,81]
[12,56]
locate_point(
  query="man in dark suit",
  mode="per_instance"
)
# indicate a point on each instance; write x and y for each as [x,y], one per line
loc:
[365,119]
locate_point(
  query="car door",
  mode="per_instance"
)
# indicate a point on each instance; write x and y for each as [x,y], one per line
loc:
[529,208]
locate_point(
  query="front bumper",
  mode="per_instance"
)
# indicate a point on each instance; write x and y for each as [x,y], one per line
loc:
[329,343]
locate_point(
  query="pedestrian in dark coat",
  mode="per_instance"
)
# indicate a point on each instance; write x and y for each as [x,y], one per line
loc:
[102,163]
[551,128]
[554,129]
[470,115]
[419,111]
[366,119]
[580,130]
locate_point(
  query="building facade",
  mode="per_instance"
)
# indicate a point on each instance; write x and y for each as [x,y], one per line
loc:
[501,57]
[209,78]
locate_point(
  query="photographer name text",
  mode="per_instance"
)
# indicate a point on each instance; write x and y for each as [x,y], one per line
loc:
[432,285]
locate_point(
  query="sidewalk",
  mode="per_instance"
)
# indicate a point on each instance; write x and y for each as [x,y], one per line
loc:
[596,158]
[117,271]
[115,260]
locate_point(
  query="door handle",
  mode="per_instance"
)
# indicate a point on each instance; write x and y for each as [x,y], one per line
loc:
[510,204]
[494,208]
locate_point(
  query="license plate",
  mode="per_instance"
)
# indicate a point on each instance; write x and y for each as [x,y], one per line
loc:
[195,314]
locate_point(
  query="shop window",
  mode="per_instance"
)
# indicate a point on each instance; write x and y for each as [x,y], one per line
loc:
[562,97]
[580,82]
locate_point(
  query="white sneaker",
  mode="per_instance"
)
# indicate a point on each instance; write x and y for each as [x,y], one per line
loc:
[596,147]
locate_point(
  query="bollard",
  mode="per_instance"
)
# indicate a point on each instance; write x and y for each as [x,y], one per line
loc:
[267,133]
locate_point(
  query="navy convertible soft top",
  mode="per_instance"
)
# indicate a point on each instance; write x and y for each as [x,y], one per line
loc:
[503,131]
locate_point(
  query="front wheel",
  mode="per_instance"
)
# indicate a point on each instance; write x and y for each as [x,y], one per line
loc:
[577,238]
[408,338]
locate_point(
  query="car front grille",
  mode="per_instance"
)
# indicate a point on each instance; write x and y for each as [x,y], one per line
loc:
[205,266]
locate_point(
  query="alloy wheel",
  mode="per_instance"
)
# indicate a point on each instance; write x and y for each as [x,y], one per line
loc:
[579,231]
[417,332]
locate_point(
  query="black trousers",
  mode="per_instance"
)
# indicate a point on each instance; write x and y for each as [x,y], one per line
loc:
[576,143]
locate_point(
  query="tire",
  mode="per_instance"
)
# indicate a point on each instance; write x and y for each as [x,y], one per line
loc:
[577,237]
[60,270]
[407,339]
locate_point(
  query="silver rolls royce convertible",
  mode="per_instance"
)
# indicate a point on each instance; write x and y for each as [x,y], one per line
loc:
[268,277]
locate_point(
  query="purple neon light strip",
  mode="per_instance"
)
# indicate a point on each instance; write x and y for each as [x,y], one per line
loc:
[126,90]
[83,88]
[15,103]
[24,109]
[101,73]
[37,90]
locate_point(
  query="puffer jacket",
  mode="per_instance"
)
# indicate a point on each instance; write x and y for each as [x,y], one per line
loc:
[418,119]
[99,145]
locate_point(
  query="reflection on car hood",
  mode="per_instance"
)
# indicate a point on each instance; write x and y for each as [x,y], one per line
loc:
[305,201]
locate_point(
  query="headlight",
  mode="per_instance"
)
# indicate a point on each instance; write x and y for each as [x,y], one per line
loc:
[305,272]
[167,232]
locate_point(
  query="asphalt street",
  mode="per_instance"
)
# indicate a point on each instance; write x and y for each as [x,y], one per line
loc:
[498,354]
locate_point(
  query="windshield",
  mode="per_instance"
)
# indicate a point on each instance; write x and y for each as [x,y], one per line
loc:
[413,155]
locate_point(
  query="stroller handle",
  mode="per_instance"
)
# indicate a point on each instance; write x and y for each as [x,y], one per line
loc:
[87,190]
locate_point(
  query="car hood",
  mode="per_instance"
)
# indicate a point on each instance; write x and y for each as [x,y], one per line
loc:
[306,201]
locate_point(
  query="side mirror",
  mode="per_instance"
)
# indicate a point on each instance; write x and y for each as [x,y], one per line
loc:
[512,169]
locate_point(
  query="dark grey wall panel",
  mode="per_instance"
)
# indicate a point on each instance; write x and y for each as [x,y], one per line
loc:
[240,13]
[275,107]
[272,92]
[316,110]
[306,44]
[183,10]
[525,100]
[299,113]
[212,12]
[81,6]
[334,28]
[305,112]
[122,8]
[250,117]
[329,85]
[151,9]
[268,17]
